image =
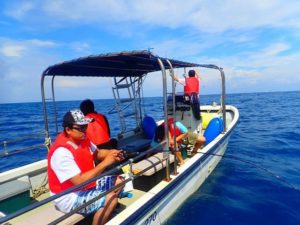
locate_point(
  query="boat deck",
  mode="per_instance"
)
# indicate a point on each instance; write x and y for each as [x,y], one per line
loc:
[47,213]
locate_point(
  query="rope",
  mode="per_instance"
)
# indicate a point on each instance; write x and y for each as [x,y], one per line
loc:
[47,142]
[39,191]
[42,188]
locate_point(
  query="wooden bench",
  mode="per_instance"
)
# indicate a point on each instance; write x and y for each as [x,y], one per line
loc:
[150,161]
[152,176]
[45,215]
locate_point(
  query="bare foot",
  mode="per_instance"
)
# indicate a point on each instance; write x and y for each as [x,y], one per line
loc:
[181,163]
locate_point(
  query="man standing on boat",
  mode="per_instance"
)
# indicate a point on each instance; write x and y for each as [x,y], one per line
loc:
[71,162]
[191,83]
[191,86]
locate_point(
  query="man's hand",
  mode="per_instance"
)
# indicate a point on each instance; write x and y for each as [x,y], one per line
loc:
[112,156]
[198,74]
[171,142]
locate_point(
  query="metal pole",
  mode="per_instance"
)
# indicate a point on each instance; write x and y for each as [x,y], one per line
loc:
[166,151]
[223,105]
[44,108]
[54,104]
[174,114]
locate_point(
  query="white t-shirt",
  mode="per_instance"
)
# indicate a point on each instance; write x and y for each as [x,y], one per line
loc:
[65,167]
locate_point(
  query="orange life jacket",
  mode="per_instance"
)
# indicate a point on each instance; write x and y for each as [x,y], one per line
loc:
[82,156]
[98,130]
[177,132]
[192,84]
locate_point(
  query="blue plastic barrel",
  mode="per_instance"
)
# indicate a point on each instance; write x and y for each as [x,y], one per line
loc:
[149,127]
[214,128]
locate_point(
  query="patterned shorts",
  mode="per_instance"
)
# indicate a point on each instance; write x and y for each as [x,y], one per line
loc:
[84,196]
[192,137]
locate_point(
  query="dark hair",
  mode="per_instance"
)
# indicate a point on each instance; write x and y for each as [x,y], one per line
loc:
[68,120]
[192,73]
[159,133]
[87,106]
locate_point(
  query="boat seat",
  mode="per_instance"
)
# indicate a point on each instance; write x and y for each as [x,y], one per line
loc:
[141,143]
[45,215]
[136,145]
[143,164]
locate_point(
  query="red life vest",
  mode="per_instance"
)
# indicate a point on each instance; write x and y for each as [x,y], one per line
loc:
[82,156]
[171,128]
[98,130]
[192,84]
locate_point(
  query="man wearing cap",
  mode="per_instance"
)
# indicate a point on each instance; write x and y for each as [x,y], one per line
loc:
[71,162]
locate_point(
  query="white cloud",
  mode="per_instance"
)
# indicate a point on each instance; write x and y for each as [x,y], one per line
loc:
[71,83]
[12,50]
[19,10]
[265,70]
[205,15]
[226,32]
[275,49]
[22,62]
[20,48]
[80,46]
[41,43]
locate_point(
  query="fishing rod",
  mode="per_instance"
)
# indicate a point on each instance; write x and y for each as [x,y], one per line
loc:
[281,179]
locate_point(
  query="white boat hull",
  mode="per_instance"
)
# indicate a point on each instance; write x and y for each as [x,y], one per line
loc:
[163,200]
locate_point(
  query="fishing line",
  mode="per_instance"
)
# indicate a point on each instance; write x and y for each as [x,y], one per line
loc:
[281,179]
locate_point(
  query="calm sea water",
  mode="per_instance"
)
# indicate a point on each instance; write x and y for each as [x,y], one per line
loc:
[257,182]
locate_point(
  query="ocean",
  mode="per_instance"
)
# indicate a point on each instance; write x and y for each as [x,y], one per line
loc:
[257,182]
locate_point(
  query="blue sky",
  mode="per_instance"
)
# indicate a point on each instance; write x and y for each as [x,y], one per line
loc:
[257,42]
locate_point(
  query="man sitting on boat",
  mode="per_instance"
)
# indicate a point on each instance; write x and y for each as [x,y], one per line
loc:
[71,162]
[98,130]
[180,132]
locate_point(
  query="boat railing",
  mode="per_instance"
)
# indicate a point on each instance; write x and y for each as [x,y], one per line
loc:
[10,147]
[112,171]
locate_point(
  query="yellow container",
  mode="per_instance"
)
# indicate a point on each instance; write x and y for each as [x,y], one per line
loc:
[206,118]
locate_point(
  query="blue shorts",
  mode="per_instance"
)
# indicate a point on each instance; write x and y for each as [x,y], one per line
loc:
[83,196]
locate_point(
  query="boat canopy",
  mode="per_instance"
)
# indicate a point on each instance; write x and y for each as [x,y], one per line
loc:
[121,64]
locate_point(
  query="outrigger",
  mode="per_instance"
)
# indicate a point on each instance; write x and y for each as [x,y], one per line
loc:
[159,185]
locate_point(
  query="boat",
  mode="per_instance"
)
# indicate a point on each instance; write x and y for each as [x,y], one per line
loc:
[158,186]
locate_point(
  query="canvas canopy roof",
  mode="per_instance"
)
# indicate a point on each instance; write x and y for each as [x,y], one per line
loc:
[122,64]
